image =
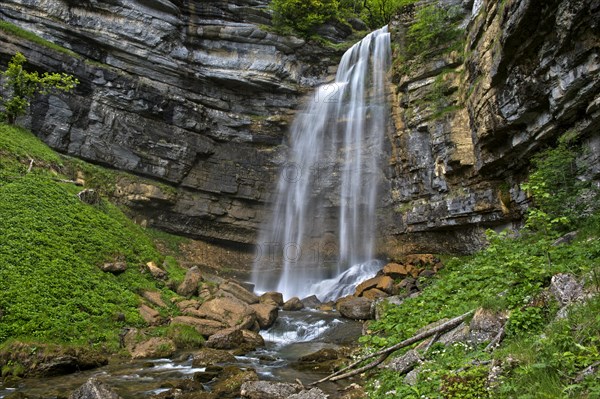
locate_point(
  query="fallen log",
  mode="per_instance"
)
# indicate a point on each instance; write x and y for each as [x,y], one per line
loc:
[384,353]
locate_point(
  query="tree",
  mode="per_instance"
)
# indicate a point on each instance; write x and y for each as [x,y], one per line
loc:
[303,16]
[20,86]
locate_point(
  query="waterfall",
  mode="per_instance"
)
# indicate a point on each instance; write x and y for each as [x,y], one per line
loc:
[323,217]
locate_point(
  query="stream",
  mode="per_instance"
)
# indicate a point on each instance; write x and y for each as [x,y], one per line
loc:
[295,334]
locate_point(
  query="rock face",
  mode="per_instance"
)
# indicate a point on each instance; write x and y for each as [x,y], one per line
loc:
[467,126]
[195,94]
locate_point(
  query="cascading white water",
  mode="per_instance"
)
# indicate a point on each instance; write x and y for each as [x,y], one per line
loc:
[323,219]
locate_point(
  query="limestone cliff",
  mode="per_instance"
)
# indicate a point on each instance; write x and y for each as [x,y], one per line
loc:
[467,122]
[199,94]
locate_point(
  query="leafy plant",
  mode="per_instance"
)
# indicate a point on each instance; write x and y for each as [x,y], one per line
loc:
[22,85]
[303,16]
[433,26]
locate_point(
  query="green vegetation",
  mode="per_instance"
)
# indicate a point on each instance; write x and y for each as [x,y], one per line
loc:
[50,249]
[434,25]
[541,357]
[32,37]
[21,86]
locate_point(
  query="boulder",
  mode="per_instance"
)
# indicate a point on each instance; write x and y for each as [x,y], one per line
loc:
[154,298]
[268,390]
[150,316]
[237,291]
[209,357]
[386,284]
[252,340]
[156,271]
[114,267]
[230,311]
[229,338]
[205,327]
[396,270]
[566,288]
[265,314]
[273,297]
[94,389]
[293,304]
[188,304]
[209,374]
[374,293]
[365,285]
[356,308]
[485,325]
[322,355]
[153,347]
[189,286]
[311,302]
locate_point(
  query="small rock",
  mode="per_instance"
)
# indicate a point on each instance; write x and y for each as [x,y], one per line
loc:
[293,304]
[268,390]
[485,325]
[209,357]
[94,389]
[566,288]
[150,316]
[189,286]
[266,314]
[311,302]
[156,271]
[154,298]
[272,296]
[566,239]
[89,196]
[314,393]
[356,308]
[115,267]
[228,338]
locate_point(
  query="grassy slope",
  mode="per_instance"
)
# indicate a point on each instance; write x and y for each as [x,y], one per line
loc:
[50,246]
[541,357]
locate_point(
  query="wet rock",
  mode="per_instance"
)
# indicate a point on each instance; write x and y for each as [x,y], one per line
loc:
[209,374]
[210,357]
[314,393]
[252,339]
[94,389]
[114,267]
[155,271]
[275,298]
[205,327]
[321,355]
[266,314]
[189,286]
[237,291]
[230,338]
[293,304]
[268,390]
[150,316]
[229,311]
[356,308]
[566,289]
[231,381]
[311,302]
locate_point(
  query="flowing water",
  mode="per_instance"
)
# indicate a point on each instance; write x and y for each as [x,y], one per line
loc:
[293,335]
[323,217]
